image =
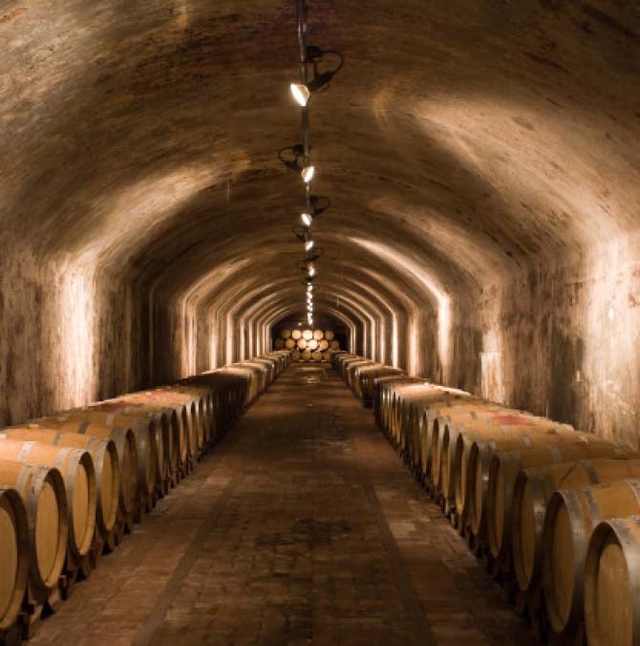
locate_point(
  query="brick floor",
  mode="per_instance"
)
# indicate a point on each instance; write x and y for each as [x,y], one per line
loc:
[302,528]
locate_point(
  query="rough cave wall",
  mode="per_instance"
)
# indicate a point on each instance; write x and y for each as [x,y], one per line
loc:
[175,342]
[68,336]
[564,342]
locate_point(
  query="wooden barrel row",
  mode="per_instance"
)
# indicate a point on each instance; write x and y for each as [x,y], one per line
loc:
[73,483]
[556,512]
[360,374]
[306,334]
[307,345]
[302,344]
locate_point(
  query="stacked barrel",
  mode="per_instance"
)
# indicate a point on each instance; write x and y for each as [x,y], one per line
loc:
[307,345]
[554,511]
[71,485]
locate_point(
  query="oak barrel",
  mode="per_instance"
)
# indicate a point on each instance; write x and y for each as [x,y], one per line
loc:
[121,430]
[453,408]
[188,434]
[14,555]
[156,439]
[166,423]
[506,431]
[612,583]
[504,469]
[76,467]
[105,460]
[531,492]
[572,515]
[43,493]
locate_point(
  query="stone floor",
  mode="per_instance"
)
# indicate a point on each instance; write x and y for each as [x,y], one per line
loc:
[303,528]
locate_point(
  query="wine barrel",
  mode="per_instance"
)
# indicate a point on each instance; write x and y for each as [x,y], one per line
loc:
[14,555]
[318,335]
[159,431]
[296,334]
[452,409]
[329,335]
[302,344]
[169,423]
[472,419]
[466,478]
[414,419]
[572,515]
[279,344]
[397,399]
[105,459]
[508,429]
[504,469]
[334,345]
[43,494]
[365,380]
[201,405]
[136,446]
[306,355]
[317,356]
[295,356]
[531,492]
[285,333]
[190,434]
[307,335]
[323,345]
[312,344]
[350,371]
[383,403]
[612,583]
[385,389]
[290,344]
[76,467]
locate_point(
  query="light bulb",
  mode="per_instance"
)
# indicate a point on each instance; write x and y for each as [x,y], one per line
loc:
[308,245]
[300,93]
[306,219]
[307,173]
[312,271]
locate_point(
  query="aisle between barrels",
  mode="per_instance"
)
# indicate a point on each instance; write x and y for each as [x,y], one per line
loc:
[302,527]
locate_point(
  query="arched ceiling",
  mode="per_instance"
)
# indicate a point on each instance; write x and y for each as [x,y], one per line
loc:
[462,141]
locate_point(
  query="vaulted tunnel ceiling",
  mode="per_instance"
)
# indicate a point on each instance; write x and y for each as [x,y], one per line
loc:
[461,142]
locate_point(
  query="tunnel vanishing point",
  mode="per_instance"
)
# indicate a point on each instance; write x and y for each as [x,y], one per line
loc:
[482,162]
